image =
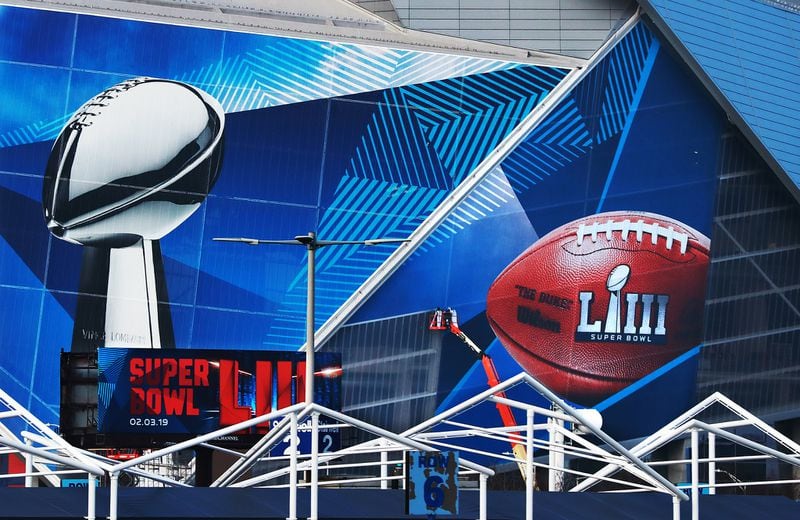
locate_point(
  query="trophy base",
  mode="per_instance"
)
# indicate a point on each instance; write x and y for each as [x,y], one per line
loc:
[123,299]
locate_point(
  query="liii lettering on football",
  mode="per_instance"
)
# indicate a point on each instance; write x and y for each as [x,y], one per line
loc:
[611,330]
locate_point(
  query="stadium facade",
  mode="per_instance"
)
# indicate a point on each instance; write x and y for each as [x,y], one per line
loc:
[350,126]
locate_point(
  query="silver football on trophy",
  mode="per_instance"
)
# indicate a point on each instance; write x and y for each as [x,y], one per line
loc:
[133,163]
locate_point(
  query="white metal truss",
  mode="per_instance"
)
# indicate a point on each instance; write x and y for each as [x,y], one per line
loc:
[571,434]
[687,424]
[10,411]
[291,415]
[563,423]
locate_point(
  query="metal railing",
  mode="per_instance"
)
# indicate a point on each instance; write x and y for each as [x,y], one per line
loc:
[566,434]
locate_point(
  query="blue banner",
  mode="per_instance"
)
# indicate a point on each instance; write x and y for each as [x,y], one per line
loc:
[432,483]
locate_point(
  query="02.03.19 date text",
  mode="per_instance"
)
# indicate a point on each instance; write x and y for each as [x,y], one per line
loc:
[148,421]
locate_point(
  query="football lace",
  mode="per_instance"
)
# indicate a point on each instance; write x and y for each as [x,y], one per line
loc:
[640,228]
[92,108]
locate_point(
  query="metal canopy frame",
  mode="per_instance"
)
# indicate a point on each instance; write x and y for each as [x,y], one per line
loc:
[687,424]
[11,410]
[571,432]
[289,417]
[558,417]
[58,450]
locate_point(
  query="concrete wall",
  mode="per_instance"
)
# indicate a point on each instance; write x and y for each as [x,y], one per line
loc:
[382,8]
[570,27]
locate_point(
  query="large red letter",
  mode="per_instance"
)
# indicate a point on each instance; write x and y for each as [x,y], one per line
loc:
[263,392]
[169,369]
[200,372]
[284,384]
[230,411]
[174,401]
[136,370]
[137,401]
[152,399]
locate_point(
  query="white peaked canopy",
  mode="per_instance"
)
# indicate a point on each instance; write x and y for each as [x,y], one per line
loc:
[331,20]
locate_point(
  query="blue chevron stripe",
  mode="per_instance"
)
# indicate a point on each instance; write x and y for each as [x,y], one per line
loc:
[492,193]
[474,114]
[409,64]
[560,139]
[565,118]
[563,137]
[37,132]
[394,149]
[626,61]
[278,71]
[341,270]
[532,162]
[420,143]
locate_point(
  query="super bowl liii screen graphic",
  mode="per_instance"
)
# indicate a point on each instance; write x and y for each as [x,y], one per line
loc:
[191,392]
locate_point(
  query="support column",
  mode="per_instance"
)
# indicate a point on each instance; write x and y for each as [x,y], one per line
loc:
[314,465]
[712,464]
[112,506]
[482,501]
[695,476]
[405,468]
[29,479]
[293,469]
[92,493]
[203,466]
[555,455]
[384,465]
[529,466]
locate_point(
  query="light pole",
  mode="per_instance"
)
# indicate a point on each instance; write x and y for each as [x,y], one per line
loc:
[311,244]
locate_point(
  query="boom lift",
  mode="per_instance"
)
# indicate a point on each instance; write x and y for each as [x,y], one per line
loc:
[447,319]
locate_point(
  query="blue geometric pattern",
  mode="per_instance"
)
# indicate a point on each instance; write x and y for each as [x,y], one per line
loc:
[566,135]
[466,119]
[462,119]
[279,71]
[749,49]
[33,133]
[560,139]
[532,162]
[394,148]
[493,193]
[358,142]
[397,215]
[341,270]
[292,71]
[626,63]
[421,142]
[569,133]
[375,164]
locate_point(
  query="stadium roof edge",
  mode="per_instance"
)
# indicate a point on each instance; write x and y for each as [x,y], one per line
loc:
[656,15]
[325,20]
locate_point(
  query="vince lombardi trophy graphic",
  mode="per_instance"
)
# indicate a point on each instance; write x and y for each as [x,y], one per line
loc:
[617,279]
[130,165]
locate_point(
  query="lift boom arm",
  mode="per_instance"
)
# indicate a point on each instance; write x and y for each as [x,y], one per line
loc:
[447,320]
